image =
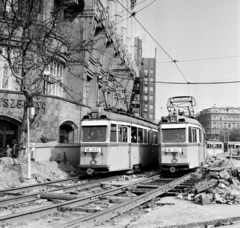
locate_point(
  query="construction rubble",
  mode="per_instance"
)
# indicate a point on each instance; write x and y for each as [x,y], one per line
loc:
[218,181]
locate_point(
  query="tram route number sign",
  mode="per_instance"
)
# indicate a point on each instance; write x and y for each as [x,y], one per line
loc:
[170,150]
[92,149]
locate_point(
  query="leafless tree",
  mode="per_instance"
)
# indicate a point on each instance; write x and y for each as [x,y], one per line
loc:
[33,34]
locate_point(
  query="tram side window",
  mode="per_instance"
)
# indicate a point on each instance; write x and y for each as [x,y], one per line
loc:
[113,133]
[155,137]
[125,134]
[145,136]
[194,134]
[219,146]
[149,137]
[200,136]
[122,133]
[134,134]
[189,134]
[140,135]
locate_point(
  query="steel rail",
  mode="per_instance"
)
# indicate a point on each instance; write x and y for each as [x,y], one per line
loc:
[2,191]
[90,220]
[34,213]
[33,196]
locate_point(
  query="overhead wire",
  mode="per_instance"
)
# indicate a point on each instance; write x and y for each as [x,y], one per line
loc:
[173,60]
[199,83]
[193,60]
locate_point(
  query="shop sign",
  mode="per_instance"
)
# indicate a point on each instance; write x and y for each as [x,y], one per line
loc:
[19,104]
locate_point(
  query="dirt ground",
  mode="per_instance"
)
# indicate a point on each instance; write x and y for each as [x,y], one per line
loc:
[168,211]
[14,172]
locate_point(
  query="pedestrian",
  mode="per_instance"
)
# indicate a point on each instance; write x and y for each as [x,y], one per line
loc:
[9,151]
[14,149]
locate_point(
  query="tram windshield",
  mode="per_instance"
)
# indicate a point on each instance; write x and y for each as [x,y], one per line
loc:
[173,135]
[94,133]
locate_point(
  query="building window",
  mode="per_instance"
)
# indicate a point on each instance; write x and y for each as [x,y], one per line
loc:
[151,79]
[7,80]
[151,89]
[214,124]
[145,89]
[146,72]
[151,71]
[151,116]
[151,98]
[151,106]
[145,109]
[220,125]
[145,98]
[229,125]
[53,79]
[220,118]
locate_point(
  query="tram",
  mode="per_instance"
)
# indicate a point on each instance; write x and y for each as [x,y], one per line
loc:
[231,146]
[214,147]
[181,137]
[114,141]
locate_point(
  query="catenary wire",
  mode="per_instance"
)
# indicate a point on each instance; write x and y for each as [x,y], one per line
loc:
[193,60]
[153,39]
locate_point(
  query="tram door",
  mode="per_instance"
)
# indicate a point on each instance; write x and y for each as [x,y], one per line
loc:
[8,132]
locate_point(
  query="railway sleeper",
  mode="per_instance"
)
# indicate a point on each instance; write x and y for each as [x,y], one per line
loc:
[115,199]
[82,209]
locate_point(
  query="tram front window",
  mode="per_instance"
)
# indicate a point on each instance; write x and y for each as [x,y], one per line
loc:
[173,135]
[94,133]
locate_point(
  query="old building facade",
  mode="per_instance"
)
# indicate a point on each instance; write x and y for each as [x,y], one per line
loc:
[218,121]
[100,72]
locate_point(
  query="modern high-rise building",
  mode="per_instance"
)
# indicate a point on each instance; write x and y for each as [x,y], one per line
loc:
[219,121]
[144,90]
[149,88]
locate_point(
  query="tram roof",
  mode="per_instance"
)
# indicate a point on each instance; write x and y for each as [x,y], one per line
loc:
[181,119]
[121,117]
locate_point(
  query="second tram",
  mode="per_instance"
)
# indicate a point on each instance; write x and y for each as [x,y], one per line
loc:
[181,137]
[214,147]
[111,141]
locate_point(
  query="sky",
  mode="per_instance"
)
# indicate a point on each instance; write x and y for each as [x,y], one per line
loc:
[204,37]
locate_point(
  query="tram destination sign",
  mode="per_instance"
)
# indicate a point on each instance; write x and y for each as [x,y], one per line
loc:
[174,150]
[92,149]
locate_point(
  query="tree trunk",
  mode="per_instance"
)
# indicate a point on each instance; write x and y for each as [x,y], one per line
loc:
[22,148]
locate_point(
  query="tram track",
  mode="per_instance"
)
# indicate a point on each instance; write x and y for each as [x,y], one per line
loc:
[144,190]
[23,198]
[33,213]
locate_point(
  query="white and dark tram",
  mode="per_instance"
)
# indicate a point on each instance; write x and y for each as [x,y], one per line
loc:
[181,137]
[214,147]
[112,141]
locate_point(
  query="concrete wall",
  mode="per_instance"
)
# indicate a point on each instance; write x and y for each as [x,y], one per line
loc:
[51,151]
